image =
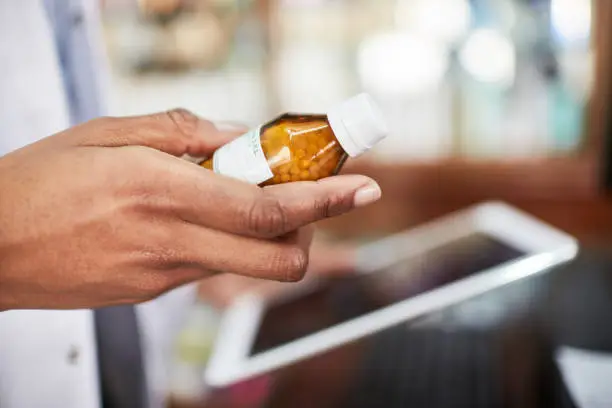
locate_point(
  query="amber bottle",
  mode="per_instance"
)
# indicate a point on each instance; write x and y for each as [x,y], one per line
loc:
[300,147]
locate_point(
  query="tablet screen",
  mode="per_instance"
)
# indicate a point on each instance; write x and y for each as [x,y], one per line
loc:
[338,300]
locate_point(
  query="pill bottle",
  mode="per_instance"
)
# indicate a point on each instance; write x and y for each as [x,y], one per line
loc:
[302,147]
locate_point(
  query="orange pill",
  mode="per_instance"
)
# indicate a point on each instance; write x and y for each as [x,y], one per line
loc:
[295,169]
[299,142]
[277,179]
[312,149]
[296,177]
[285,168]
[305,164]
[322,142]
[300,153]
[285,178]
[305,175]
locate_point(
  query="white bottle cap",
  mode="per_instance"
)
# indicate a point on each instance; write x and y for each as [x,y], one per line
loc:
[358,124]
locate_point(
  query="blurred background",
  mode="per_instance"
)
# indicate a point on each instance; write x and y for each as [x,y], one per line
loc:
[475,79]
[486,99]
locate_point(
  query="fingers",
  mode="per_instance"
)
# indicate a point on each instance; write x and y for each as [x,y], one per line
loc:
[324,260]
[229,132]
[203,198]
[283,259]
[225,204]
[177,132]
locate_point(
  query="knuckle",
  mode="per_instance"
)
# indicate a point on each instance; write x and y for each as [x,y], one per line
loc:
[332,205]
[161,258]
[139,195]
[290,264]
[267,217]
[184,121]
[323,207]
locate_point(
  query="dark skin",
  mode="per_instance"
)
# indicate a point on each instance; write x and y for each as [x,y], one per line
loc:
[107,213]
[326,260]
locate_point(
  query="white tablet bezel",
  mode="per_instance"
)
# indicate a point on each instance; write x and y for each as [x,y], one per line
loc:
[544,246]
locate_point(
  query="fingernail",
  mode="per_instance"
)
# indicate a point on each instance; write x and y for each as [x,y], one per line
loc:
[367,195]
[192,159]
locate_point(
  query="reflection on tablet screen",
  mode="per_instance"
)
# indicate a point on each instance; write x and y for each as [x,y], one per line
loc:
[338,300]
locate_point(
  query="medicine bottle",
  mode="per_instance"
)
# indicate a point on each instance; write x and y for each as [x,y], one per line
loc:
[300,147]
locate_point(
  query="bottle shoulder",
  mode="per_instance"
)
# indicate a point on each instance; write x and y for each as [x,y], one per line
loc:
[298,118]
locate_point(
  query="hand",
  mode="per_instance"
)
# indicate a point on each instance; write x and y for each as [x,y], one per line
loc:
[107,213]
[325,260]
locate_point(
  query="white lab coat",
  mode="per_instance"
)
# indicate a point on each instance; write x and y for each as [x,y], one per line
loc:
[48,358]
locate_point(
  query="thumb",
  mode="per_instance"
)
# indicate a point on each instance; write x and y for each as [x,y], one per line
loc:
[177,132]
[228,131]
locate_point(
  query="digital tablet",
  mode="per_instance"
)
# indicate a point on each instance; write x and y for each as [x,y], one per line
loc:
[399,278]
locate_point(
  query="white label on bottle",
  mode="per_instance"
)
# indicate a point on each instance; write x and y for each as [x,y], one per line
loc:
[243,159]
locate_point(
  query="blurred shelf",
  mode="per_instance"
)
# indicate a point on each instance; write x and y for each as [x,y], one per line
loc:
[543,179]
[564,192]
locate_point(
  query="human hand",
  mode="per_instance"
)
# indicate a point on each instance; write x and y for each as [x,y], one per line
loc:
[107,213]
[325,260]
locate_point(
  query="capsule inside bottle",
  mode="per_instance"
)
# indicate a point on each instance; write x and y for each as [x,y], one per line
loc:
[299,148]
[296,147]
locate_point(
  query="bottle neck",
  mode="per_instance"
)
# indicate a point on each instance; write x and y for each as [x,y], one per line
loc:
[343,136]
